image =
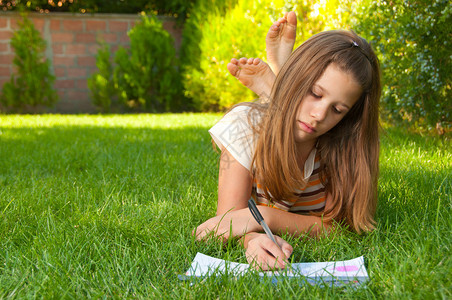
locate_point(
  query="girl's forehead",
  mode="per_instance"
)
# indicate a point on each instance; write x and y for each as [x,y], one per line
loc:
[338,85]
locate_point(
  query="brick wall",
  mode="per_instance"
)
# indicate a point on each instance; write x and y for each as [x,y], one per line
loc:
[72,47]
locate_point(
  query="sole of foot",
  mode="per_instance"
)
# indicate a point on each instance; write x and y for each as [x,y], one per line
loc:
[254,74]
[280,40]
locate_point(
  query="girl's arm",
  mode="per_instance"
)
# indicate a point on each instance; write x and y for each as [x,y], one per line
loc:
[234,184]
[234,190]
[286,222]
[233,216]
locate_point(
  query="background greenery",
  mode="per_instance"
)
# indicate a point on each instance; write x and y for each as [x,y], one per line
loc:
[144,77]
[412,39]
[175,8]
[103,206]
[32,85]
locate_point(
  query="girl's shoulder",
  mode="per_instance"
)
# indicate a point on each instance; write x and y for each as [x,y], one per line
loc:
[235,134]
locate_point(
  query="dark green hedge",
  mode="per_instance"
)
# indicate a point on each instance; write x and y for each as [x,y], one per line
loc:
[177,8]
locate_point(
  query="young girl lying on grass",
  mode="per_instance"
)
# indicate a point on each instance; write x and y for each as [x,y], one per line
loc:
[309,155]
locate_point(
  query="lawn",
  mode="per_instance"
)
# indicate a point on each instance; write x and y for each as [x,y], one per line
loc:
[103,206]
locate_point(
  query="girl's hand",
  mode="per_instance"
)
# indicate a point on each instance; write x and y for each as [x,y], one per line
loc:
[263,254]
[233,223]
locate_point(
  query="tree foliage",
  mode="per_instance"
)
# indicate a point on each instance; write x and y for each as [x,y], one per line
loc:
[176,8]
[144,77]
[217,31]
[413,39]
[32,84]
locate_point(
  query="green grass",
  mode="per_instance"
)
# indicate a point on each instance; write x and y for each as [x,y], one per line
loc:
[94,206]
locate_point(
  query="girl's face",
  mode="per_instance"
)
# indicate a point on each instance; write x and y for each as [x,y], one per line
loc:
[331,97]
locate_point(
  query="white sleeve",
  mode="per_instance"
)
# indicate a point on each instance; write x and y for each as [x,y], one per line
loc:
[235,134]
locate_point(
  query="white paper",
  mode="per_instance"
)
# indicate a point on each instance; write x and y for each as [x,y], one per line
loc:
[336,273]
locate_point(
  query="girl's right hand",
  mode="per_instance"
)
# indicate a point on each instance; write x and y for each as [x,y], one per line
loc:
[263,254]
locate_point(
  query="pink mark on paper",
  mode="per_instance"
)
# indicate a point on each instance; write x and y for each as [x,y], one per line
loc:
[346,269]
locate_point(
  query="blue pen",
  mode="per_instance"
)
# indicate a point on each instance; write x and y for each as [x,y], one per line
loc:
[258,217]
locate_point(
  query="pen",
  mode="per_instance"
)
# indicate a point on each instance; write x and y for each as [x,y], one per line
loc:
[258,217]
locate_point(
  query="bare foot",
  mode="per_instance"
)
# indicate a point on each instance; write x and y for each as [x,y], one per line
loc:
[280,40]
[254,74]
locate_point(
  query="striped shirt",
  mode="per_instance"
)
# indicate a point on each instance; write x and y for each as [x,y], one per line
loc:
[234,133]
[310,198]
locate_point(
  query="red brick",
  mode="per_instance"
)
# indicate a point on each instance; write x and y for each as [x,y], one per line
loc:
[39,24]
[64,84]
[82,84]
[110,38]
[63,61]
[61,93]
[118,26]
[72,25]
[3,22]
[86,61]
[55,25]
[92,49]
[60,72]
[124,39]
[6,35]
[75,49]
[77,95]
[75,101]
[13,24]
[96,25]
[76,72]
[85,38]
[5,71]
[66,37]
[57,49]
[6,59]
[4,47]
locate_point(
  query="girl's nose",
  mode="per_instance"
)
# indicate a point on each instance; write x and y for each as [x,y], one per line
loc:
[319,113]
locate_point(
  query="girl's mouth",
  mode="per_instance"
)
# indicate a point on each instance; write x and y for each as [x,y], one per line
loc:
[306,128]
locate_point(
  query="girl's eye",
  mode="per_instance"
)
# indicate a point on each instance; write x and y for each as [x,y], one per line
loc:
[337,111]
[315,95]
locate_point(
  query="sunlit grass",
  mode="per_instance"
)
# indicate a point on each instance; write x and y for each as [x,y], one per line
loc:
[94,206]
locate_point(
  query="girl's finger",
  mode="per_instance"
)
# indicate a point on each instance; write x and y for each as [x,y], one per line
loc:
[274,255]
[264,261]
[285,246]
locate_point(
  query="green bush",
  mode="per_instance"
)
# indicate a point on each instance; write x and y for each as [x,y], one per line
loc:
[217,31]
[101,83]
[32,85]
[413,39]
[144,77]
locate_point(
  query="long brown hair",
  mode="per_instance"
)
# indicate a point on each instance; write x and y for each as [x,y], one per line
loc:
[349,151]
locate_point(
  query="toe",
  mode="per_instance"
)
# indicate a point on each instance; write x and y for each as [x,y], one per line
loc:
[292,18]
[250,61]
[233,69]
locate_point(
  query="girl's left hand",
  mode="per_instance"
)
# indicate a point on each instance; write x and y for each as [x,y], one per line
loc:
[233,223]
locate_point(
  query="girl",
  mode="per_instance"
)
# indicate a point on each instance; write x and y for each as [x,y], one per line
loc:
[309,156]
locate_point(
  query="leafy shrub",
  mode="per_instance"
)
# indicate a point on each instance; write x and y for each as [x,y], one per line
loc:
[145,77]
[217,31]
[33,83]
[414,45]
[101,83]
